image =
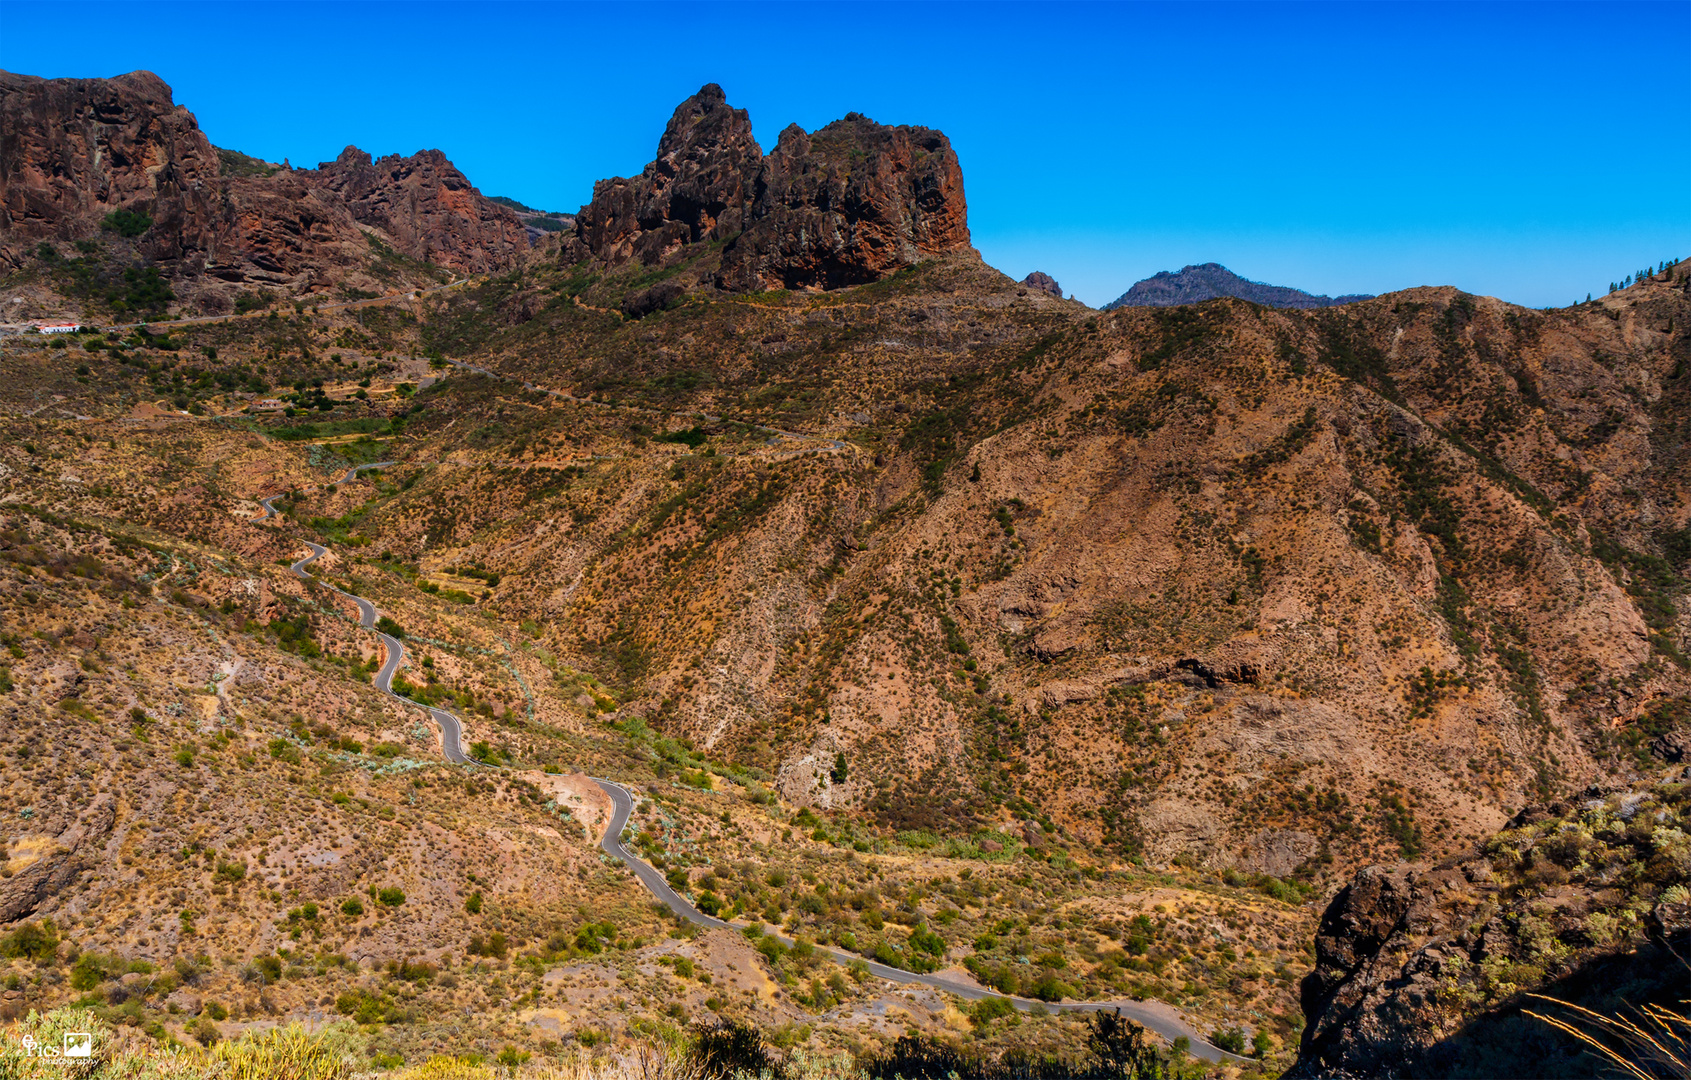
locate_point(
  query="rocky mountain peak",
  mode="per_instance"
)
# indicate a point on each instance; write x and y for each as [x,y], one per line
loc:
[844,205]
[697,189]
[77,150]
[705,120]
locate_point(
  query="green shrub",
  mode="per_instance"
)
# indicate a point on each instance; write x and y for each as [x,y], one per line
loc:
[33,941]
[88,972]
[391,896]
[986,1010]
[352,908]
[205,1032]
[129,223]
[1231,1040]
[367,1007]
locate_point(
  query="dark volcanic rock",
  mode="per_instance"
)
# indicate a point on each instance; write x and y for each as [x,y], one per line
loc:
[429,208]
[1044,282]
[847,204]
[1194,284]
[41,882]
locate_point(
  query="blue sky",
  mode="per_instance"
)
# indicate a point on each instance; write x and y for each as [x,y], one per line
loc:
[1528,151]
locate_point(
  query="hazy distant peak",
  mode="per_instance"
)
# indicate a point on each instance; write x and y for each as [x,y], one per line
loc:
[1194,284]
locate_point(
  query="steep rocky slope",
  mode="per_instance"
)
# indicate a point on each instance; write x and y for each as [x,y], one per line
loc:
[1282,590]
[1195,284]
[78,149]
[427,206]
[117,167]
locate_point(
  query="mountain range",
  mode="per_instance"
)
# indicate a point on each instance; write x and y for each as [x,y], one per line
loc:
[1308,677]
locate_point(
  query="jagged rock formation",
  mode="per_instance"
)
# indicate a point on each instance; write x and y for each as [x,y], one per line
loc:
[76,150]
[1422,972]
[700,187]
[1194,284]
[1044,282]
[847,204]
[427,206]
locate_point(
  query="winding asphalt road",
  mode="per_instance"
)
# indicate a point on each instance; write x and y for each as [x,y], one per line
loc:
[1168,1026]
[451,731]
[622,803]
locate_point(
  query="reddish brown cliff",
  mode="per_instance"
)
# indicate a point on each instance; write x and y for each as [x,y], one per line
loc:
[847,204]
[699,188]
[77,149]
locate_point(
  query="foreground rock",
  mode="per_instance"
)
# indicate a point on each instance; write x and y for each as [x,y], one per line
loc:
[1427,972]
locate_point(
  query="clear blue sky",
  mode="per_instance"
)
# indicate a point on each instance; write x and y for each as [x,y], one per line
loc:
[1528,151]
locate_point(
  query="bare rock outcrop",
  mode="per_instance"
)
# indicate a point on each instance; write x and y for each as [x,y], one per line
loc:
[1425,971]
[844,205]
[849,204]
[427,206]
[78,149]
[700,188]
[1044,283]
[23,893]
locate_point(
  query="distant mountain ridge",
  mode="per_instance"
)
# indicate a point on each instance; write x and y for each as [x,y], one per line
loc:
[1194,284]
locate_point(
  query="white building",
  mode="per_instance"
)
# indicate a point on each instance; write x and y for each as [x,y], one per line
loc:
[58,327]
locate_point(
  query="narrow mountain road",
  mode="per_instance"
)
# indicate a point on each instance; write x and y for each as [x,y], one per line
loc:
[1164,1021]
[451,731]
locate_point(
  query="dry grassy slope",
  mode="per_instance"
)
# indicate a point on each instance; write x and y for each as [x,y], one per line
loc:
[1271,572]
[118,606]
[142,746]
